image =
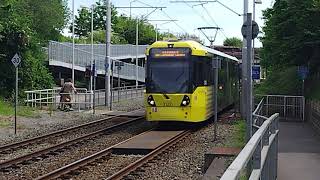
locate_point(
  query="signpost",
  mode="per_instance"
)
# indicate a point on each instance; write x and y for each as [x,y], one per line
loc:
[16,60]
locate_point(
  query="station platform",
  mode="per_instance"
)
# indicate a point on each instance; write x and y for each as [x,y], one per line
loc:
[145,142]
[299,152]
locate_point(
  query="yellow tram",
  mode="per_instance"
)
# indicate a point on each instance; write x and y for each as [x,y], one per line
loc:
[179,81]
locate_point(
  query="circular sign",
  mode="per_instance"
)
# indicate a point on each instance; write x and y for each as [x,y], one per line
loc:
[255,29]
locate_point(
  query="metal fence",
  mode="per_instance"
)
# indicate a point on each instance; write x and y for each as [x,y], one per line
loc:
[120,94]
[290,108]
[60,54]
[83,99]
[260,155]
[51,98]
[313,114]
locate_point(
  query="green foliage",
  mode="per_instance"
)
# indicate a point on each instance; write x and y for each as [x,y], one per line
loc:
[291,38]
[123,27]
[281,81]
[234,41]
[291,29]
[7,109]
[24,27]
[238,137]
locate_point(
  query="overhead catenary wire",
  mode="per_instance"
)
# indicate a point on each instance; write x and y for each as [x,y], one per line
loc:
[165,15]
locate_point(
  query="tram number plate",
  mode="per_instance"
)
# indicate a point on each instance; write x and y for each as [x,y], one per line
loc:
[154,109]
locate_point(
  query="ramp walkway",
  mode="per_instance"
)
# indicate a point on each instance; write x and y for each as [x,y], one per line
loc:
[299,152]
[60,54]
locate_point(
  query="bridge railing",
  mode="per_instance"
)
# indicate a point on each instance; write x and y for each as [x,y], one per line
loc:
[62,53]
[259,157]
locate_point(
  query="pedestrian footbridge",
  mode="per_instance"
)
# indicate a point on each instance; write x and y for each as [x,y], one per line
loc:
[60,54]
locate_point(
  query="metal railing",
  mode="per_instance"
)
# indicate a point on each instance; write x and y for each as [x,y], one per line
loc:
[260,155]
[83,99]
[60,54]
[120,94]
[262,149]
[290,108]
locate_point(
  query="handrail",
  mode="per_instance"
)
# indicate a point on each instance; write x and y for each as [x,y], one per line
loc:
[263,142]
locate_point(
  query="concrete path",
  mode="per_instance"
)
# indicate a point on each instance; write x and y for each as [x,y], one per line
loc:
[299,152]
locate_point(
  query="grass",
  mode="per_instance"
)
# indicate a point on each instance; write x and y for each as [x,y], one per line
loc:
[7,109]
[4,124]
[238,138]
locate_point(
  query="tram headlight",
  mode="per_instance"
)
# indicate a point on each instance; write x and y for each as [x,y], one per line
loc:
[151,101]
[185,101]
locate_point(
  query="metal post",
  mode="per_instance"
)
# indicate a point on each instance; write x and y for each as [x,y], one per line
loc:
[137,43]
[108,53]
[16,102]
[111,100]
[216,98]
[118,68]
[248,79]
[91,78]
[244,67]
[156,32]
[73,41]
[94,88]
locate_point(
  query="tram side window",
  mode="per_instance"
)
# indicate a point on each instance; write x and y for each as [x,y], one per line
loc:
[202,72]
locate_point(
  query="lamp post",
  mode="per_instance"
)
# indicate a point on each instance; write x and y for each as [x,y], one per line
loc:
[73,41]
[92,10]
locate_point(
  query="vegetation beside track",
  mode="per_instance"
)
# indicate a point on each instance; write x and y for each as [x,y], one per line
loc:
[7,109]
[237,139]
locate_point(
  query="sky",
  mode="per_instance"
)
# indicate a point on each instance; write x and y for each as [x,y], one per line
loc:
[190,16]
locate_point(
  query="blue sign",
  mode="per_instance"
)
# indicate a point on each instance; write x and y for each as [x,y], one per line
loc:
[303,72]
[255,72]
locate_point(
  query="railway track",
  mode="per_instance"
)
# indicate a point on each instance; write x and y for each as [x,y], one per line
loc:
[55,149]
[9,148]
[76,167]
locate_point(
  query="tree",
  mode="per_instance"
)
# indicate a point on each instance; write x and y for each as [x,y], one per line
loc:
[291,38]
[290,27]
[82,24]
[24,27]
[234,41]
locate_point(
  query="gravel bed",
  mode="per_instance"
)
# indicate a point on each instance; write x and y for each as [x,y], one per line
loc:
[60,139]
[108,167]
[51,163]
[45,122]
[186,161]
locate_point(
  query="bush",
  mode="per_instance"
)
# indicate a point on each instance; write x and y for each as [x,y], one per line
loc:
[282,81]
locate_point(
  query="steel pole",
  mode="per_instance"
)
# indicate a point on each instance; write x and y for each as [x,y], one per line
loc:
[254,18]
[73,41]
[248,79]
[108,53]
[137,44]
[244,66]
[16,102]
[91,78]
[216,78]
[156,32]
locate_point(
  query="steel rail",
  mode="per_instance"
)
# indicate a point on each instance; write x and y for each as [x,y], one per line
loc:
[133,166]
[81,162]
[89,159]
[54,149]
[53,134]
